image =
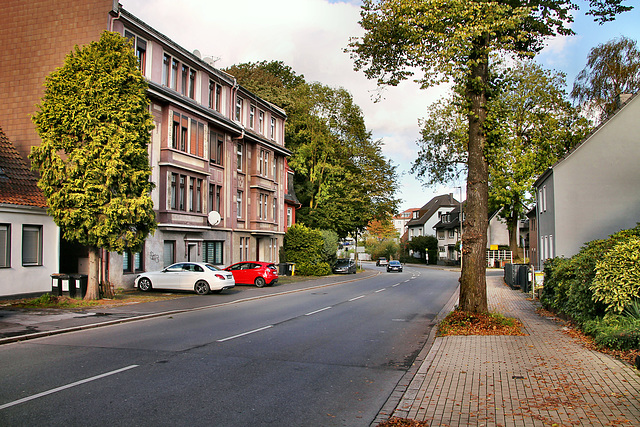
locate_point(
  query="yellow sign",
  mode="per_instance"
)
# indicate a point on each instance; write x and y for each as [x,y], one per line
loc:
[494,247]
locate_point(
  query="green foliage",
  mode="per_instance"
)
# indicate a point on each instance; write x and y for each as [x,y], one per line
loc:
[425,245]
[386,248]
[617,279]
[330,246]
[311,269]
[341,176]
[570,284]
[95,125]
[303,244]
[616,332]
[613,68]
[632,309]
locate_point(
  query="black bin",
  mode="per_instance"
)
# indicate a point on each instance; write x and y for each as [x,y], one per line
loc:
[56,283]
[79,282]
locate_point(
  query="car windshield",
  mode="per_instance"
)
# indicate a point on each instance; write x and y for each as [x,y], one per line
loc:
[394,262]
[212,267]
[341,262]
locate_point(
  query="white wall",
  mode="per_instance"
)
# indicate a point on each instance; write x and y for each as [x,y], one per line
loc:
[597,186]
[23,280]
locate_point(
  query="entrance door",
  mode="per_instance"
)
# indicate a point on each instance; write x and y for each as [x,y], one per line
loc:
[191,252]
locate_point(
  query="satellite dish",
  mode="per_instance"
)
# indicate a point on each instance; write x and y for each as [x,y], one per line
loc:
[197,53]
[214,218]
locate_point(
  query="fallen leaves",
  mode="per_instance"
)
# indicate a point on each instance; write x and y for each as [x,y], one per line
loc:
[464,323]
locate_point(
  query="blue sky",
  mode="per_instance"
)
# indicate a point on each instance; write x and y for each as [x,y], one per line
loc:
[310,35]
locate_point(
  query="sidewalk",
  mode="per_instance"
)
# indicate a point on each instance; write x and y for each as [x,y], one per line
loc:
[543,379]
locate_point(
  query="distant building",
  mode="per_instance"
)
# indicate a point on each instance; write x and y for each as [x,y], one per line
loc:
[400,221]
[424,219]
[216,147]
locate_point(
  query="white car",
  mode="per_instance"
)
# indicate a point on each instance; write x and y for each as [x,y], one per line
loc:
[196,276]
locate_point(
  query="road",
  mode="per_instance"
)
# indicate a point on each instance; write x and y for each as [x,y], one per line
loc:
[324,357]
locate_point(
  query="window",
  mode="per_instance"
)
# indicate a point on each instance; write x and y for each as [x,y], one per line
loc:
[239,204]
[252,116]
[261,122]
[218,204]
[452,234]
[239,157]
[260,206]
[31,245]
[166,70]
[139,48]
[238,109]
[218,97]
[212,91]
[175,131]
[272,128]
[244,248]
[173,84]
[440,234]
[274,215]
[260,161]
[132,262]
[544,198]
[192,84]
[173,196]
[289,216]
[169,253]
[265,202]
[215,197]
[181,194]
[216,144]
[5,245]
[184,86]
[212,252]
[265,169]
[275,168]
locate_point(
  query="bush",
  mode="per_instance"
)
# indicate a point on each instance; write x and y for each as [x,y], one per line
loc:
[309,269]
[617,278]
[303,245]
[616,332]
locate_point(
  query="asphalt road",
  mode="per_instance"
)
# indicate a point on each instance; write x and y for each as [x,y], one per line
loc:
[324,357]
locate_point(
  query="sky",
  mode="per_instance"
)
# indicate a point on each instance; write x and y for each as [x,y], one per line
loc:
[310,37]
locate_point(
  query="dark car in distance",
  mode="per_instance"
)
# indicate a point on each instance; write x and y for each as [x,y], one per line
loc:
[344,266]
[394,266]
[254,273]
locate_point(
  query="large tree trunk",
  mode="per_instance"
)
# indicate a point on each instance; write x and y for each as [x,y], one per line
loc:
[93,289]
[473,284]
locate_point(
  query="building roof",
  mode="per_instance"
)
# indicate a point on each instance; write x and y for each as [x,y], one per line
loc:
[18,185]
[431,207]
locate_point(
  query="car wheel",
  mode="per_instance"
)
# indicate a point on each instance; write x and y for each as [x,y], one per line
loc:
[259,282]
[201,287]
[144,284]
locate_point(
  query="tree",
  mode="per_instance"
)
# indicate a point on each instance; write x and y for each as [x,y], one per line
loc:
[452,40]
[95,126]
[613,68]
[382,229]
[341,177]
[530,125]
[427,246]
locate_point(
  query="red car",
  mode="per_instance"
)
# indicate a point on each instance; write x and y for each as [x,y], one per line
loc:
[254,272]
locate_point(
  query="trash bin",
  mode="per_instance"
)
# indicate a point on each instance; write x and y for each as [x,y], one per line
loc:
[56,283]
[286,269]
[81,281]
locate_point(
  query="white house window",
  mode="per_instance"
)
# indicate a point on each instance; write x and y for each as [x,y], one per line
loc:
[31,245]
[238,109]
[239,204]
[5,245]
[212,252]
[272,128]
[289,216]
[252,116]
[169,250]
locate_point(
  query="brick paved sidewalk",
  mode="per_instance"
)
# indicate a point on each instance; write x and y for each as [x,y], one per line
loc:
[543,379]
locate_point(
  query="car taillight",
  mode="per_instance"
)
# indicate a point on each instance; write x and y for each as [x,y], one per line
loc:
[221,277]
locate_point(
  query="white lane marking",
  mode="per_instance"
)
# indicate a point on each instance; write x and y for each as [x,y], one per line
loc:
[380,290]
[353,299]
[245,333]
[64,387]
[318,311]
[397,284]
[406,280]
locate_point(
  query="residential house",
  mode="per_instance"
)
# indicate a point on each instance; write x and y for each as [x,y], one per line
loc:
[424,219]
[29,239]
[448,231]
[400,220]
[592,192]
[216,147]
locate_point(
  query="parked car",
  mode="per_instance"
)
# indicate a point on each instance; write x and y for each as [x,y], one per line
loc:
[345,265]
[382,261]
[394,266]
[196,276]
[254,273]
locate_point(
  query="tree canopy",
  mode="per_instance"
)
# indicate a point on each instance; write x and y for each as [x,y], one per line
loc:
[341,177]
[613,69]
[95,125]
[530,125]
[444,40]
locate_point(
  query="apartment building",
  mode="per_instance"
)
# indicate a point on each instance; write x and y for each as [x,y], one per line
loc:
[217,151]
